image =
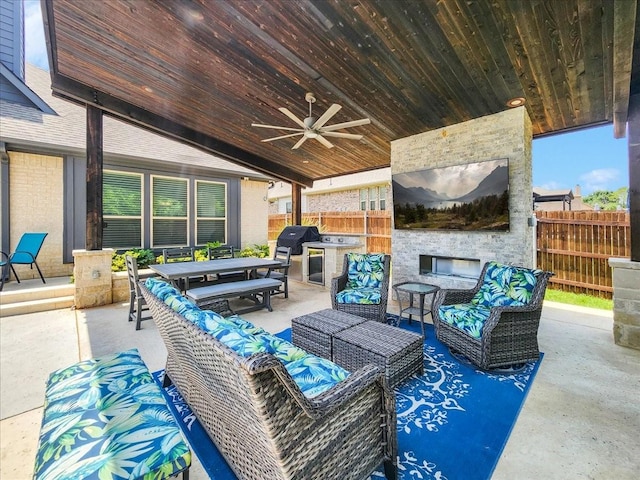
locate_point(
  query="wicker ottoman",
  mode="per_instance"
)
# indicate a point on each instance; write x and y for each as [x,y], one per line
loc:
[314,332]
[396,351]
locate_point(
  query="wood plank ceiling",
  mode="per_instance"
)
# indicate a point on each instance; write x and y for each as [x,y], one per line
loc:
[203,71]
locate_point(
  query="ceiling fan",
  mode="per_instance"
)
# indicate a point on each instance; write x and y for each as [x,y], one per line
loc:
[312,127]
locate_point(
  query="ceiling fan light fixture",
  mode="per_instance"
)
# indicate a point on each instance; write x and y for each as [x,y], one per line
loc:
[310,134]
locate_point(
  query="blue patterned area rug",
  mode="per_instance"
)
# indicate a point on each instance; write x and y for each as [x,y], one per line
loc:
[453,421]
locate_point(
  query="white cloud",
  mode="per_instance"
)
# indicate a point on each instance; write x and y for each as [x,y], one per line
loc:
[35,46]
[552,185]
[599,179]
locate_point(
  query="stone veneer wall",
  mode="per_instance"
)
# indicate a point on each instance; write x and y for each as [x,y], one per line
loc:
[503,135]
[626,302]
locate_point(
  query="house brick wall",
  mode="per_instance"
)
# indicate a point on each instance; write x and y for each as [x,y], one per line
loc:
[342,201]
[345,200]
[503,135]
[254,213]
[36,205]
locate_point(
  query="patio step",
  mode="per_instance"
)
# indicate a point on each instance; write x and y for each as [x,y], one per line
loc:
[40,299]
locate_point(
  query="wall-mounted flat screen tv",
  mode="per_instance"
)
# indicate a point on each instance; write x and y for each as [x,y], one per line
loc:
[473,196]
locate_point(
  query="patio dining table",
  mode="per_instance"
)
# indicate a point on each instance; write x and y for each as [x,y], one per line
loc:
[184,270]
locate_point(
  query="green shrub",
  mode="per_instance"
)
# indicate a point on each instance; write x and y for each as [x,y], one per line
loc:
[260,251]
[144,257]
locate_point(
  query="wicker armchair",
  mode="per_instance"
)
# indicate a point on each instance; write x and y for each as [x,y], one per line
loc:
[509,335]
[372,311]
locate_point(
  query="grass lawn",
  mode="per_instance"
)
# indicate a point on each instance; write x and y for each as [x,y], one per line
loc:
[578,299]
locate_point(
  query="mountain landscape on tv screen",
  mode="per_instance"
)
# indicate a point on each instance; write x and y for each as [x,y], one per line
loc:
[463,197]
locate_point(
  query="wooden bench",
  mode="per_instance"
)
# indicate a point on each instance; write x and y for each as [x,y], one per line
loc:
[203,296]
[107,418]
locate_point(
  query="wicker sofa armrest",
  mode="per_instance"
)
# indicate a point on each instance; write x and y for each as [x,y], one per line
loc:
[319,406]
[342,396]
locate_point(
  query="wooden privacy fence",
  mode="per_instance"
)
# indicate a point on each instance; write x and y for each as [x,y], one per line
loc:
[374,225]
[577,247]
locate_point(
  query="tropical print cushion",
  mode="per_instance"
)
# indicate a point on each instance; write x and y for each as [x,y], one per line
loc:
[284,351]
[244,344]
[238,320]
[207,320]
[106,418]
[365,270]
[504,285]
[179,304]
[466,316]
[160,288]
[315,375]
[363,296]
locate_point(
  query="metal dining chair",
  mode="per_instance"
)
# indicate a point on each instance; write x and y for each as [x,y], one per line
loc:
[282,254]
[226,251]
[137,303]
[25,254]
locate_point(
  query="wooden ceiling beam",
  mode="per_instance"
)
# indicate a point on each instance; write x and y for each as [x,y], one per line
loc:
[624,21]
[72,90]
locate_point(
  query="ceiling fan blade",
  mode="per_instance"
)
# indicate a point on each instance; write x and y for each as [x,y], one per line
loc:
[350,136]
[282,136]
[277,127]
[300,142]
[324,141]
[353,123]
[292,116]
[326,116]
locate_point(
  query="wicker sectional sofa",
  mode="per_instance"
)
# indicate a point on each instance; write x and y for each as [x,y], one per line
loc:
[270,415]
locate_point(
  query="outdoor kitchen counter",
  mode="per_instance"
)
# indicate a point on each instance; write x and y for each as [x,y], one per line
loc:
[332,256]
[332,245]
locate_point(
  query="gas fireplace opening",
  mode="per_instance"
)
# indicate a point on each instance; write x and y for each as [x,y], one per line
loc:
[450,266]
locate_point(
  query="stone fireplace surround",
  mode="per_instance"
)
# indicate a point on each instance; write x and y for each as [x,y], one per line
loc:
[506,134]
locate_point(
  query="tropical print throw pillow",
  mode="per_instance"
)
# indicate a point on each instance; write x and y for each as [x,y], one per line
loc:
[365,270]
[505,285]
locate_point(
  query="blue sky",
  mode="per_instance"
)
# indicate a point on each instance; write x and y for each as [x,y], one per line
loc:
[591,158]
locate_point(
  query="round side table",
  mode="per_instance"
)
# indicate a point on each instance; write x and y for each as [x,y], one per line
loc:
[421,290]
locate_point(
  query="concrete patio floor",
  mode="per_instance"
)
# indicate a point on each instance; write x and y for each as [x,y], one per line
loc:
[580,421]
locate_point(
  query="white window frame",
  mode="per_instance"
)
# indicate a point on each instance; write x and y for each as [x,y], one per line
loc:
[226,208]
[140,217]
[153,217]
[372,199]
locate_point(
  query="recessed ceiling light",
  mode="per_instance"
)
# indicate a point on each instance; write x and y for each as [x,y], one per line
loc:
[147,89]
[305,161]
[516,102]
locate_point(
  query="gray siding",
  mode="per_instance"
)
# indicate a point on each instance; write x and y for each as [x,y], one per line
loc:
[11,94]
[12,36]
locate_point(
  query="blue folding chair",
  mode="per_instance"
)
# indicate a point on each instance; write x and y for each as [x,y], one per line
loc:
[25,254]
